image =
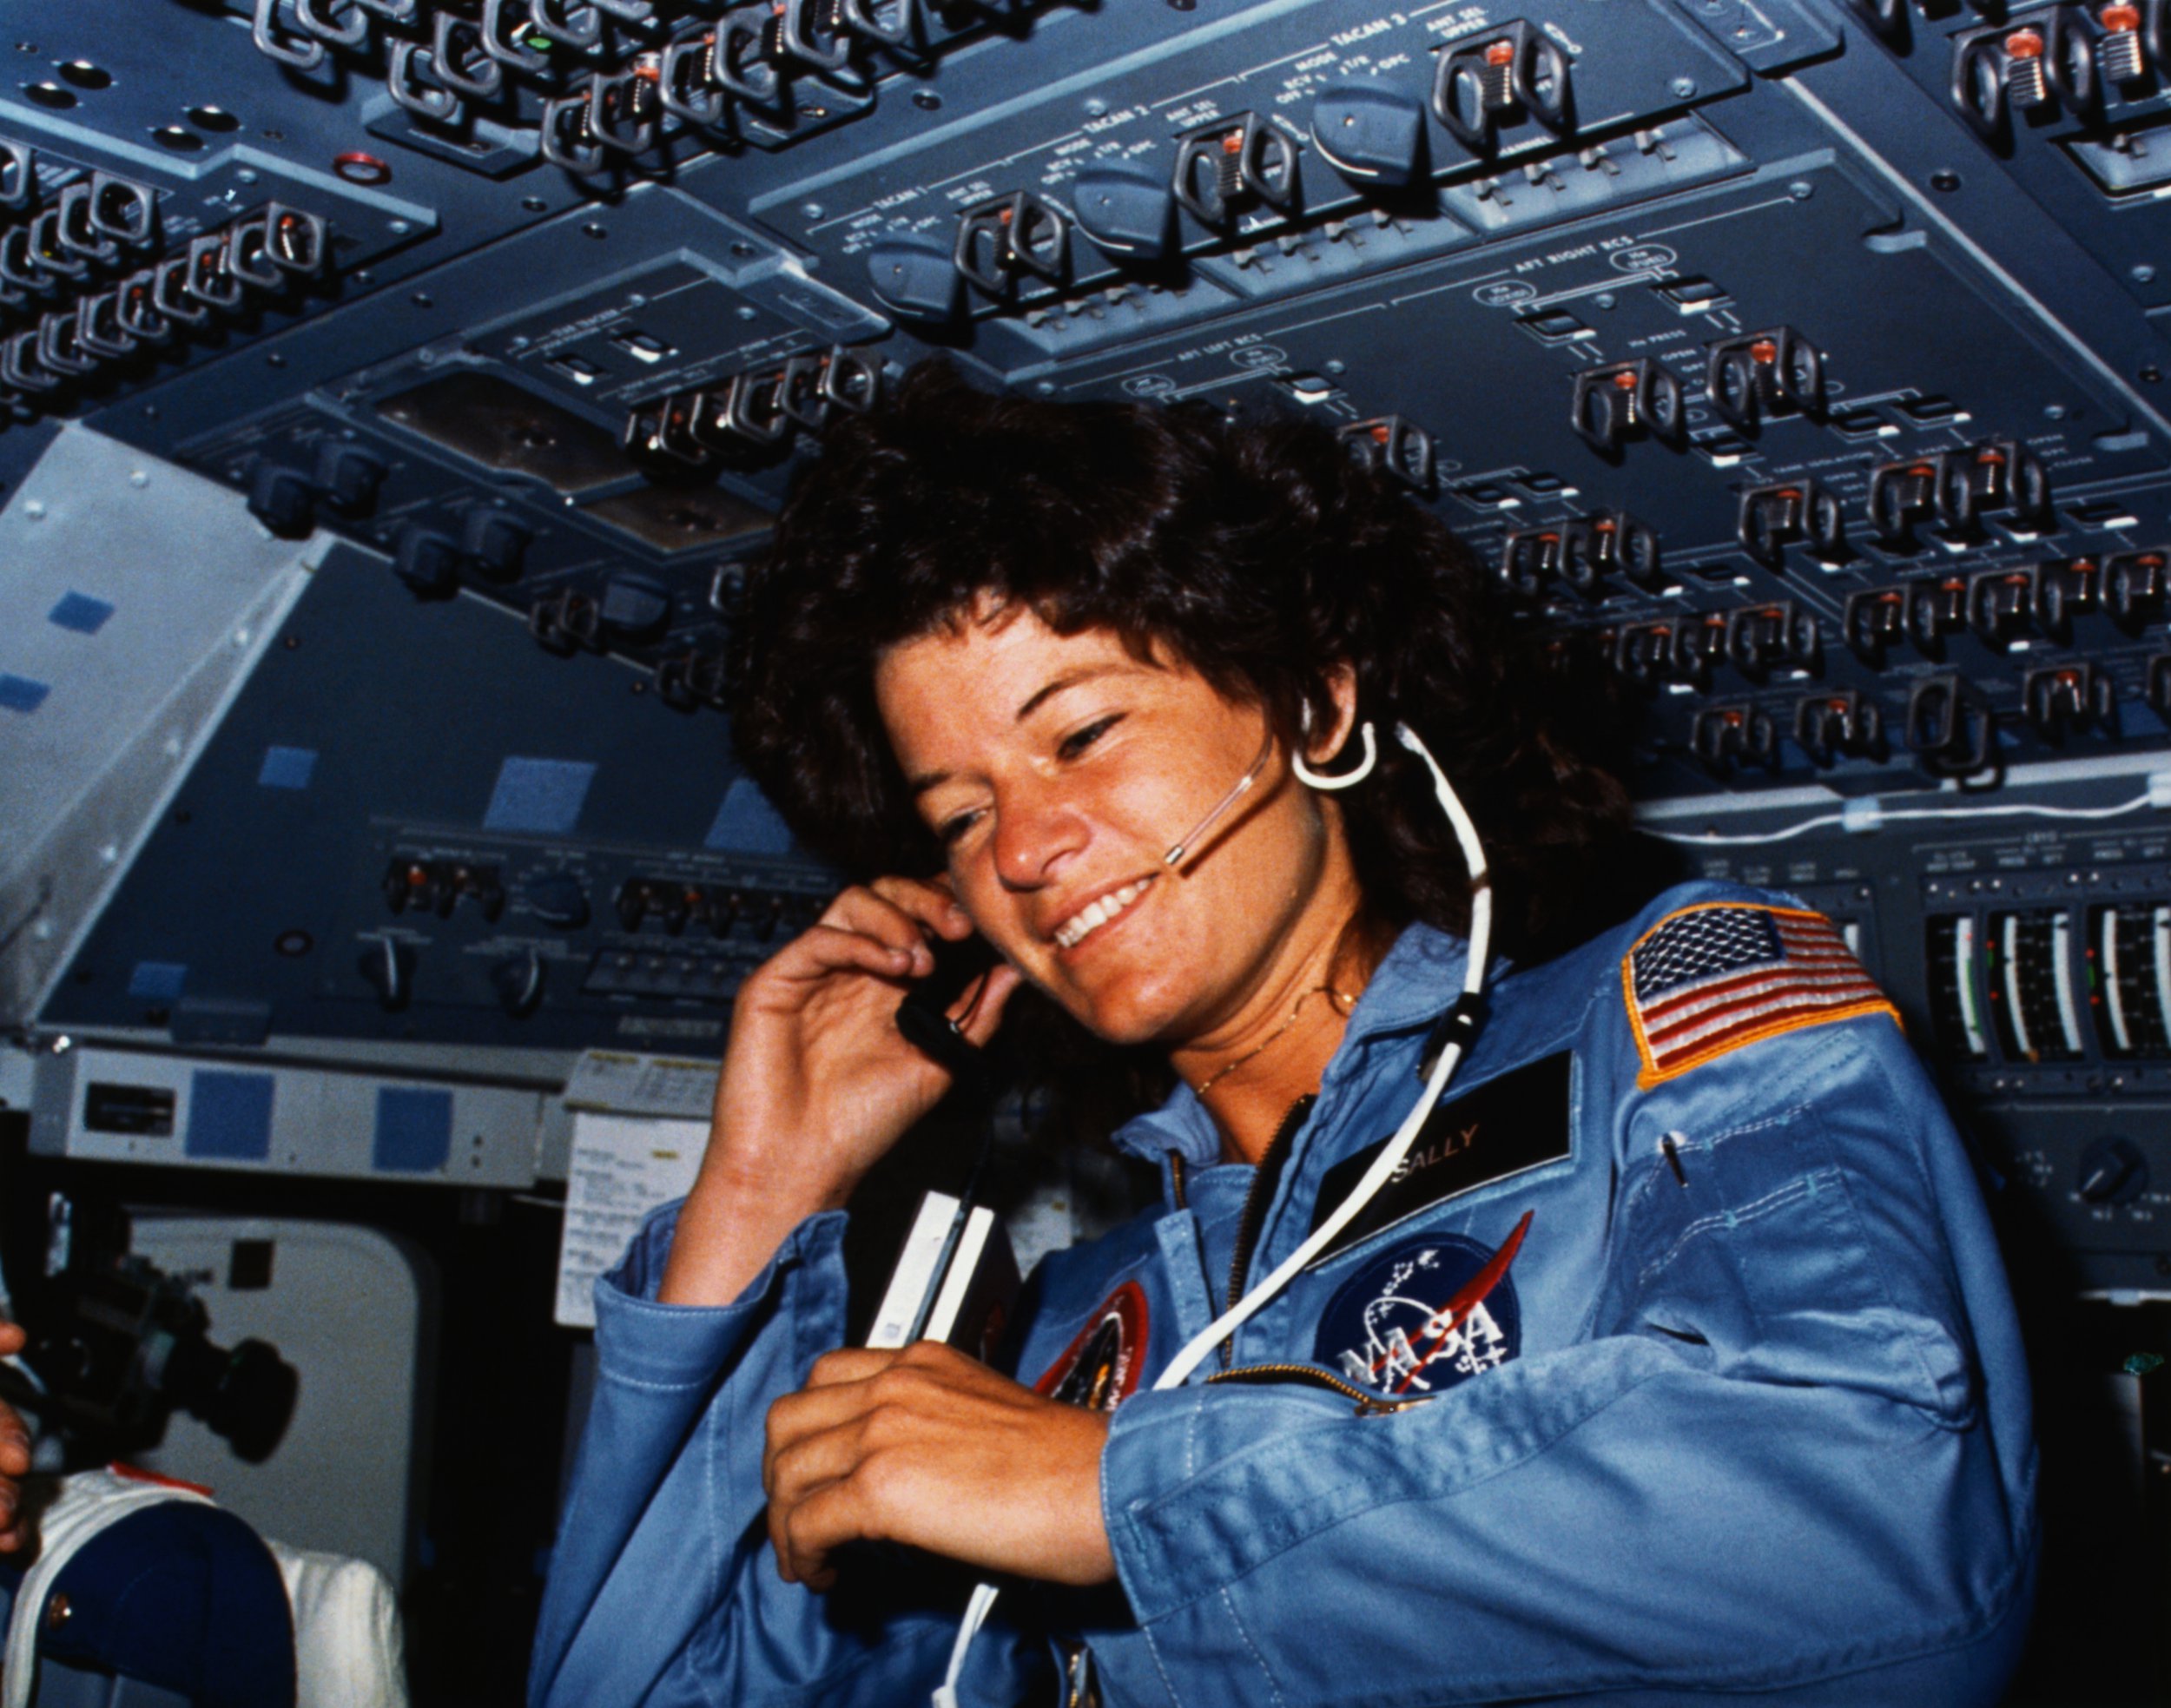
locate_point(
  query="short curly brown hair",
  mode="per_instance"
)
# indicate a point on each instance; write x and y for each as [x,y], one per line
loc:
[1258,555]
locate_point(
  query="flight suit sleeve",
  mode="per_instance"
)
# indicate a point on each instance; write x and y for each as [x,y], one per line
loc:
[1770,1458]
[663,1587]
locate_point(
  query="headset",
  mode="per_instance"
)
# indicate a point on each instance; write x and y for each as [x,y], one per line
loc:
[1452,1038]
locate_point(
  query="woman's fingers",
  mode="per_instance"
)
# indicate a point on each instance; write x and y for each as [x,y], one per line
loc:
[805,1534]
[850,1363]
[929,901]
[898,913]
[860,909]
[796,1417]
[15,1462]
[928,1447]
[15,1445]
[822,950]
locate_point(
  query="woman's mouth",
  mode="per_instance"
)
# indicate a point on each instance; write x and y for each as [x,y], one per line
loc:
[1097,913]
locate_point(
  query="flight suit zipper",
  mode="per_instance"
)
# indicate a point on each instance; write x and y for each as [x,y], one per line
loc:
[1255,1203]
[1367,1405]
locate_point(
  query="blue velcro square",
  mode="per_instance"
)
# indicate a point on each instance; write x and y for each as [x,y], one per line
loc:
[20,694]
[287,767]
[746,823]
[414,1129]
[79,612]
[543,796]
[158,980]
[230,1115]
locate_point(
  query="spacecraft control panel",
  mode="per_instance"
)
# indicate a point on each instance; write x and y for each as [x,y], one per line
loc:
[395,391]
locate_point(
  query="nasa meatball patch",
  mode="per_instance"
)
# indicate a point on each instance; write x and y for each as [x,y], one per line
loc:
[1425,1315]
[1099,1369]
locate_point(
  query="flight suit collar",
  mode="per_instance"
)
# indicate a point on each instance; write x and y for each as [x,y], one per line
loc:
[1413,986]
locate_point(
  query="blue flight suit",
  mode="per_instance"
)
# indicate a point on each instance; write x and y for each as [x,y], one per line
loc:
[1678,1359]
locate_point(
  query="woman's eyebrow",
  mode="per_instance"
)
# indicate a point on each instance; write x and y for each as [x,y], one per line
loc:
[1052,688]
[927,780]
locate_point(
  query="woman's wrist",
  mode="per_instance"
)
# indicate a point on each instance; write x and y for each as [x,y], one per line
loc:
[733,1222]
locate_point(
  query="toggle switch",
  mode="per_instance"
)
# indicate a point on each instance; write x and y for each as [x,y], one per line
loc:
[2134,592]
[1829,726]
[1399,449]
[2001,605]
[1759,637]
[2060,699]
[1764,373]
[1874,620]
[1950,728]
[1496,81]
[1626,400]
[1774,517]
[1607,542]
[1233,166]
[1530,560]
[1011,236]
[1902,495]
[1936,609]
[1725,737]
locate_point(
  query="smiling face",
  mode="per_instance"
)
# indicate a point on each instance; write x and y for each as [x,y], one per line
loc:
[1057,770]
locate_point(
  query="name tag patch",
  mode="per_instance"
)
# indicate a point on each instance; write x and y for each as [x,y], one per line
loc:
[1425,1315]
[1517,1122]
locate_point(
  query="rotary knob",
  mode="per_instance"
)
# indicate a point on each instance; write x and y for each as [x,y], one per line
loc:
[519,982]
[2113,1170]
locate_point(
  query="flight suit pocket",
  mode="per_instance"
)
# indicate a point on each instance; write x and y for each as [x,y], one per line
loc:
[1750,1240]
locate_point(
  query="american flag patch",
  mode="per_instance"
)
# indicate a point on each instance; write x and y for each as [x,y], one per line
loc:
[1715,977]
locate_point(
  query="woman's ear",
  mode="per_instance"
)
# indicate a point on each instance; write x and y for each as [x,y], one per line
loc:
[1321,746]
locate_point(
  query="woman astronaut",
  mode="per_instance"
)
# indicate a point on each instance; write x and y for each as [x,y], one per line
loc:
[1671,1359]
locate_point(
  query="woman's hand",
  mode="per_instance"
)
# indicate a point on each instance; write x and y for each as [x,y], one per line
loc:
[14,1455]
[930,1448]
[817,1081]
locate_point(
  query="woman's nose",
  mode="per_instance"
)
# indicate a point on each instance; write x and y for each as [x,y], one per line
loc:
[1038,828]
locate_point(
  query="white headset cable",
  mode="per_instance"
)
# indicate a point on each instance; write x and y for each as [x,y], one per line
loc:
[1202,1344]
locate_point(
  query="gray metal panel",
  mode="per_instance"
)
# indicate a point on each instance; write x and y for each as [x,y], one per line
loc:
[195,590]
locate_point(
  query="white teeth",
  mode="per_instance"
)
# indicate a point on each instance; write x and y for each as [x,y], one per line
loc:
[1075,929]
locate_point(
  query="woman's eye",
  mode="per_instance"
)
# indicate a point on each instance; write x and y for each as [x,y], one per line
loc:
[1079,739]
[953,827]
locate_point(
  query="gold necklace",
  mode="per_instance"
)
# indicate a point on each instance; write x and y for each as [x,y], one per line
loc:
[1336,998]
